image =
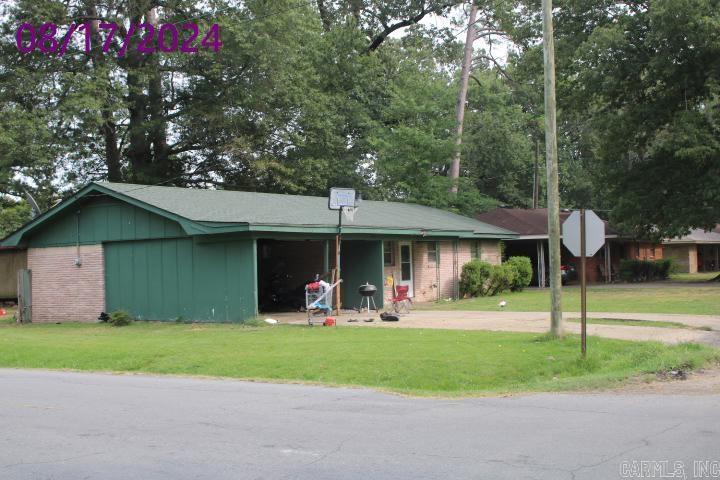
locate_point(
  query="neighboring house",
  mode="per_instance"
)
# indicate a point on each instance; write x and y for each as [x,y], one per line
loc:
[697,252]
[165,253]
[531,225]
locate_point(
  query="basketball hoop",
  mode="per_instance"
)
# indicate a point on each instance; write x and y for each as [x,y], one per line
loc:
[349,213]
[340,198]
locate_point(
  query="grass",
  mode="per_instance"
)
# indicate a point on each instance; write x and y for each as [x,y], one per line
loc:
[699,277]
[8,317]
[412,361]
[639,299]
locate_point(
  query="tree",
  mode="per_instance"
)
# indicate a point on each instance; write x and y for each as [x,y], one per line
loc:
[13,214]
[499,142]
[638,97]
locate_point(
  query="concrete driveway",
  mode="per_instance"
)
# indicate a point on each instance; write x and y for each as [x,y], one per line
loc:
[539,322]
[70,426]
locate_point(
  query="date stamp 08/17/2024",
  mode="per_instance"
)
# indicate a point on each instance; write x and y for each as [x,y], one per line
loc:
[149,38]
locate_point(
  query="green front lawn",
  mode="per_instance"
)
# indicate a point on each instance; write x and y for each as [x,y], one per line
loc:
[415,361]
[640,299]
[699,277]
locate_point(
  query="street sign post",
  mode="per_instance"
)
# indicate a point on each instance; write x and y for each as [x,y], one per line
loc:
[583,235]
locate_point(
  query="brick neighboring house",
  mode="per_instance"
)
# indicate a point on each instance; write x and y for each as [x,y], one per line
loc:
[532,241]
[698,251]
[166,253]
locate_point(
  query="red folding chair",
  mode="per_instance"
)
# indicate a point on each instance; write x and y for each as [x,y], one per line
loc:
[401,302]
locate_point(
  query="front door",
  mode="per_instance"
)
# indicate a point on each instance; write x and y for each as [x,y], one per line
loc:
[406,267]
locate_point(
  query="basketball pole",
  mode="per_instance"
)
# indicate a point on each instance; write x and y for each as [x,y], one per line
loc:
[338,241]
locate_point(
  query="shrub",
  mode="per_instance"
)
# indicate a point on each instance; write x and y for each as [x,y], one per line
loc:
[523,272]
[502,277]
[480,279]
[120,318]
[664,268]
[474,277]
[645,270]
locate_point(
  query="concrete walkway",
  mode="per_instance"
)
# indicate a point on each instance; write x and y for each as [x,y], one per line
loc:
[538,322]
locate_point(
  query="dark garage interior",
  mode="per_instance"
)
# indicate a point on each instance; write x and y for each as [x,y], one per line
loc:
[284,267]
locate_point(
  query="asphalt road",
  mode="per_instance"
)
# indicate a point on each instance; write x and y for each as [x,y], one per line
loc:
[92,426]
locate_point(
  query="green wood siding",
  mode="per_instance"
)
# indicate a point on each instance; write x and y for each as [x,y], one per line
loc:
[361,261]
[169,279]
[103,220]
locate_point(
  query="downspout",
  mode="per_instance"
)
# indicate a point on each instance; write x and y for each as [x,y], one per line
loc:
[78,259]
[456,276]
[437,269]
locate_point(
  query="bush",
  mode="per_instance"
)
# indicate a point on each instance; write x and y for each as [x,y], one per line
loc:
[523,272]
[120,318]
[502,277]
[479,279]
[645,270]
[474,277]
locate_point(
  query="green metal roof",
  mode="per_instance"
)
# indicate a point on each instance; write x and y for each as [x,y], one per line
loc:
[220,211]
[272,209]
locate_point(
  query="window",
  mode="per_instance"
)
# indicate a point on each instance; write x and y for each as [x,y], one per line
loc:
[388,254]
[432,252]
[405,262]
[475,250]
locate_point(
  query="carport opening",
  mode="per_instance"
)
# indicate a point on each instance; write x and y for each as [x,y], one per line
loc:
[284,268]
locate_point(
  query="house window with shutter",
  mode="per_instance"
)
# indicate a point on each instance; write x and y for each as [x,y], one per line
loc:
[388,254]
[432,253]
[475,249]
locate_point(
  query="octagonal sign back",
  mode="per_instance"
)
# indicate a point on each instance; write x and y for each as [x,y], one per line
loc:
[594,233]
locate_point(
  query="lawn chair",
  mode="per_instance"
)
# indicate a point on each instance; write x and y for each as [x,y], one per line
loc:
[401,302]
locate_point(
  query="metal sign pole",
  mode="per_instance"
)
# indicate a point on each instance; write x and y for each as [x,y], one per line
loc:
[583,286]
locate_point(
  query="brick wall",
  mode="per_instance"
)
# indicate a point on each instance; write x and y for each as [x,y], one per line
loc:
[63,292]
[684,257]
[490,252]
[428,276]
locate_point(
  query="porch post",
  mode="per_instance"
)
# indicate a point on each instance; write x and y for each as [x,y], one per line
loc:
[326,256]
[537,264]
[541,264]
[608,263]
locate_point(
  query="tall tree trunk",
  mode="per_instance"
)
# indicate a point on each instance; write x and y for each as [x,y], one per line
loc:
[551,156]
[158,125]
[536,176]
[324,15]
[462,97]
[138,151]
[108,129]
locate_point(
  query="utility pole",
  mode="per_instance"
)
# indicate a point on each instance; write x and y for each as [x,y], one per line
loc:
[551,160]
[462,97]
[536,176]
